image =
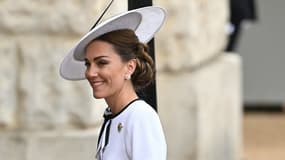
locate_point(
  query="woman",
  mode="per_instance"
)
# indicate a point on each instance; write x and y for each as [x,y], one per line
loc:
[117,64]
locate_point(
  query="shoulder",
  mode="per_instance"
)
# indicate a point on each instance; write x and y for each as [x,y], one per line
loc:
[140,110]
[144,133]
[142,116]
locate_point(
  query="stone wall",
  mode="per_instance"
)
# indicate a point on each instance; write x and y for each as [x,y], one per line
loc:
[35,36]
[43,116]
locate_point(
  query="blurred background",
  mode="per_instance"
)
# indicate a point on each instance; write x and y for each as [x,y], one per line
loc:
[219,79]
[261,46]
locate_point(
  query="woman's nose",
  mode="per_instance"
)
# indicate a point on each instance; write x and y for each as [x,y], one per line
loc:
[91,71]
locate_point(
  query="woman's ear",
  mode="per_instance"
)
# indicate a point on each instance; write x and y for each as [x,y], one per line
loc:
[131,66]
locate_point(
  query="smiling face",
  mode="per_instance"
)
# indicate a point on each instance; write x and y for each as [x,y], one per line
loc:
[105,70]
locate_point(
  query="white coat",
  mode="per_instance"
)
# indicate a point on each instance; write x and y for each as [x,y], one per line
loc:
[133,134]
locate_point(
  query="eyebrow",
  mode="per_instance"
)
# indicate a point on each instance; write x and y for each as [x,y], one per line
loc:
[96,58]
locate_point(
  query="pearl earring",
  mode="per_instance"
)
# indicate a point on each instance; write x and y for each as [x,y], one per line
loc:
[127,77]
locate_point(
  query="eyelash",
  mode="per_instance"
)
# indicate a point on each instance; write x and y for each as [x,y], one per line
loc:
[102,62]
[87,64]
[99,63]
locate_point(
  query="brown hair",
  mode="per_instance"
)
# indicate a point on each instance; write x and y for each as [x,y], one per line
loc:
[127,45]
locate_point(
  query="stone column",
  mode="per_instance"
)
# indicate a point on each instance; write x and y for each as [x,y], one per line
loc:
[199,86]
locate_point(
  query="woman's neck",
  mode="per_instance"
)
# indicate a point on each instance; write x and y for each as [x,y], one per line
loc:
[120,101]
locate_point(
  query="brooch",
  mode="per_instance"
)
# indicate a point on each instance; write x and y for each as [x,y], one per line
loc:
[120,126]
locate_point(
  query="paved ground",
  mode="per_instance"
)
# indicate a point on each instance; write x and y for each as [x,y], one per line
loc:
[264,136]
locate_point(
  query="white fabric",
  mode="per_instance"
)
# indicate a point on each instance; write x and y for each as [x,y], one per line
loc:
[141,135]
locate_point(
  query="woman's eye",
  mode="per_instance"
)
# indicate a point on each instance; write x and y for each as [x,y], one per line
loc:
[102,62]
[87,64]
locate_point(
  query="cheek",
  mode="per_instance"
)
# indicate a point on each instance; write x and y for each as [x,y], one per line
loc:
[117,75]
[113,73]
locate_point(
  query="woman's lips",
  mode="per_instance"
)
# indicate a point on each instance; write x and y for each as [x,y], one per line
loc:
[97,83]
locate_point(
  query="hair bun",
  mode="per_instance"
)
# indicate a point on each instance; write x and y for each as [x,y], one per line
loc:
[144,73]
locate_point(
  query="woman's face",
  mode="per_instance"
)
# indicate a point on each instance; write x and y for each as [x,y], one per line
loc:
[105,70]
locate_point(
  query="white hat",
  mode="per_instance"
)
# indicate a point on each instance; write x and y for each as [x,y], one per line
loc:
[144,21]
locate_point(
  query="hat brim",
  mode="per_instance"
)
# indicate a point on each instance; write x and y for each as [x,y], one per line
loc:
[145,22]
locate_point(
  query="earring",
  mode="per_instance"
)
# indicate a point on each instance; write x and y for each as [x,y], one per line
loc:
[127,77]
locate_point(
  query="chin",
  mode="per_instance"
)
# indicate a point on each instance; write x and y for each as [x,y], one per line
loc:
[98,96]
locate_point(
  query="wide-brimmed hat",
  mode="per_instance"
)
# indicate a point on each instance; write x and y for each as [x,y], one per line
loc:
[145,22]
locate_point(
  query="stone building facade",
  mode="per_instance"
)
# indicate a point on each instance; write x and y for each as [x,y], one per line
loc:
[45,117]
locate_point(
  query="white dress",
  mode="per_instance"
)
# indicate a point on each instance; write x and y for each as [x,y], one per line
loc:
[133,134]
